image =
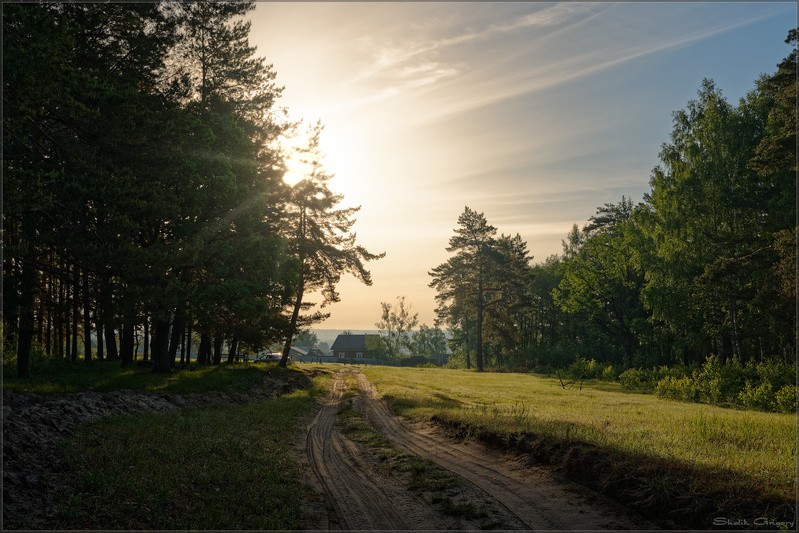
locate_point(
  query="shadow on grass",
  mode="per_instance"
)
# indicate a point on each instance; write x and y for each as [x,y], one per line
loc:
[238,475]
[439,401]
[673,493]
[60,376]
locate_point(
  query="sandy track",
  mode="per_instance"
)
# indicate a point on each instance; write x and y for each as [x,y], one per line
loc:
[358,496]
[534,495]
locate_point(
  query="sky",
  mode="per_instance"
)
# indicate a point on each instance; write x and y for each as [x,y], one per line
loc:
[532,113]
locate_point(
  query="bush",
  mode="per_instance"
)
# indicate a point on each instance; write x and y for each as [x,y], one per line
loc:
[766,386]
[610,373]
[677,388]
[774,372]
[638,379]
[757,397]
[787,399]
[583,368]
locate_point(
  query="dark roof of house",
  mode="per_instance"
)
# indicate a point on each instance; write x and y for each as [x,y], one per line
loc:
[350,342]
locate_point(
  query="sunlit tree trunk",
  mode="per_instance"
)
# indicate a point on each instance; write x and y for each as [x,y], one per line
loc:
[75,312]
[87,325]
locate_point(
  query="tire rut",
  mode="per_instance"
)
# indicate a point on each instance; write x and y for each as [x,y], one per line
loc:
[532,495]
[359,498]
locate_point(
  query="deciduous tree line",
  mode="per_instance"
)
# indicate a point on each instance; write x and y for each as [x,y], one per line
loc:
[706,264]
[143,187]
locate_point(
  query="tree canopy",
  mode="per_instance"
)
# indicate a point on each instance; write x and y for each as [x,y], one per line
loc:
[143,189]
[704,265]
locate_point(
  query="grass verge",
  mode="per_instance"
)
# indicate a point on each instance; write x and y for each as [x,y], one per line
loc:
[58,376]
[221,468]
[680,464]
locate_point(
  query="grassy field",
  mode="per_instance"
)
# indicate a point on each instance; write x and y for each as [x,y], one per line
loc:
[658,455]
[221,468]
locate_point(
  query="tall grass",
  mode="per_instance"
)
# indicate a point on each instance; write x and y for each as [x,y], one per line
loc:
[753,451]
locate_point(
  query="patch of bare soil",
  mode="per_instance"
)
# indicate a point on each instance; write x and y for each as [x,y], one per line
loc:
[361,495]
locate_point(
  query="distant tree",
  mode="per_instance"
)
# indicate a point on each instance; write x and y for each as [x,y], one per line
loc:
[603,281]
[377,347]
[429,341]
[397,322]
[509,303]
[320,240]
[464,281]
[306,338]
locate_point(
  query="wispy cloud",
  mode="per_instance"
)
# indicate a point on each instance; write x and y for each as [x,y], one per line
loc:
[395,67]
[571,68]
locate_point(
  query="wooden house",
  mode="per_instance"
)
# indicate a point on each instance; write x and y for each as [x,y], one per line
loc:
[351,347]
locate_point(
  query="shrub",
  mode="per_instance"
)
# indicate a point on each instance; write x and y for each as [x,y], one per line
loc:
[610,373]
[637,379]
[677,388]
[787,399]
[583,368]
[757,397]
[776,373]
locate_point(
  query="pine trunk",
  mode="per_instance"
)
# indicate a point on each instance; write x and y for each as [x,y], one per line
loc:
[188,341]
[204,351]
[218,348]
[160,347]
[59,320]
[75,312]
[110,341]
[26,318]
[234,345]
[174,339]
[126,341]
[479,332]
[87,325]
[146,337]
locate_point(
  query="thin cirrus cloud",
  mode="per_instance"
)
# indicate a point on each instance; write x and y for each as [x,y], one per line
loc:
[550,74]
[414,64]
[403,67]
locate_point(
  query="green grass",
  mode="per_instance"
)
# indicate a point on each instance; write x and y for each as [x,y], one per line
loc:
[58,376]
[222,468]
[678,451]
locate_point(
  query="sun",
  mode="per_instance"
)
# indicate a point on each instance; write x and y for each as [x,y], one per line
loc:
[296,171]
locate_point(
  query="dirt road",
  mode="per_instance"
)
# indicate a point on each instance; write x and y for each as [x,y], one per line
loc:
[519,497]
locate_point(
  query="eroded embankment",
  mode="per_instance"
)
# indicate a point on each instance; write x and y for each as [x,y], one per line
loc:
[674,495]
